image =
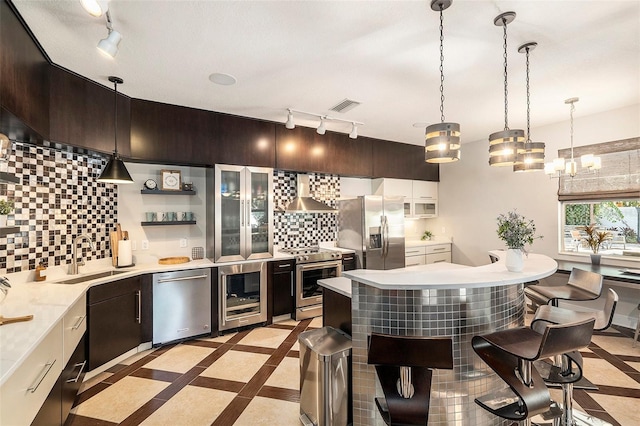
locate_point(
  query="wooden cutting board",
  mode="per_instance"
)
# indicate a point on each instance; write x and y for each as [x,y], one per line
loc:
[113,240]
[173,260]
[9,320]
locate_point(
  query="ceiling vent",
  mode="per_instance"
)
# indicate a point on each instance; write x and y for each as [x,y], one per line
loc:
[344,106]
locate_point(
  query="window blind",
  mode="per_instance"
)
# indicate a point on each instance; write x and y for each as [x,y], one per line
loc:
[619,177]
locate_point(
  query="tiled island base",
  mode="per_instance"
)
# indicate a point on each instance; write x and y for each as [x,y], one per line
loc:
[458,313]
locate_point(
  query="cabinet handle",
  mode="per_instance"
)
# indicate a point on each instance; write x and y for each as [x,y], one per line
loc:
[170,280]
[78,323]
[438,261]
[45,371]
[439,249]
[412,251]
[81,365]
[291,284]
[242,213]
[284,266]
[139,313]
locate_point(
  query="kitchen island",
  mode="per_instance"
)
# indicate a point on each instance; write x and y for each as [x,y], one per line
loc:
[439,300]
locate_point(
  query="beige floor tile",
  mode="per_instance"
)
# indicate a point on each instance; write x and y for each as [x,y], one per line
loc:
[121,399]
[288,321]
[556,395]
[296,346]
[624,410]
[236,365]
[600,372]
[287,375]
[635,365]
[94,381]
[269,412]
[616,345]
[316,322]
[193,406]
[265,337]
[180,358]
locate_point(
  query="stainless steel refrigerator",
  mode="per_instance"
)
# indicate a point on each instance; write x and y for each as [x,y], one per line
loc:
[373,226]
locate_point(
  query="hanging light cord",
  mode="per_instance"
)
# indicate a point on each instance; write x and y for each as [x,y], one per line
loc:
[441,66]
[528,101]
[506,105]
[573,108]
[115,116]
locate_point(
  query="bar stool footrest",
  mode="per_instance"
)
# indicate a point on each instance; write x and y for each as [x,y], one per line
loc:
[504,403]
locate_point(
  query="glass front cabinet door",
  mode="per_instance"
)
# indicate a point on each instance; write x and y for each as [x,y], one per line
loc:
[243,213]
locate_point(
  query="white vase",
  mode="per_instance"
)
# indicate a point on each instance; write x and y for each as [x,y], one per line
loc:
[513,261]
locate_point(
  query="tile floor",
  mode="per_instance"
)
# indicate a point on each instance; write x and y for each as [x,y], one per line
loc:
[252,378]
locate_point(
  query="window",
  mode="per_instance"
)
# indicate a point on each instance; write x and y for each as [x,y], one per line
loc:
[608,198]
[620,219]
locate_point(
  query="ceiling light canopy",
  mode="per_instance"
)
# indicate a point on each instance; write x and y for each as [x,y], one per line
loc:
[506,144]
[442,140]
[115,170]
[587,161]
[532,159]
[95,7]
[322,127]
[222,79]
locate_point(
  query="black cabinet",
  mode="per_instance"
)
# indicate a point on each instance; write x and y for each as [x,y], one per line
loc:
[56,407]
[115,314]
[349,262]
[280,288]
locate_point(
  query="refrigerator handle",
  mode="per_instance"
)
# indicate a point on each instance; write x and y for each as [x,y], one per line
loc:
[385,236]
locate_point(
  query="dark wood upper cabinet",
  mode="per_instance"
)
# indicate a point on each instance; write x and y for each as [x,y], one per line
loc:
[402,161]
[82,114]
[181,135]
[24,80]
[303,149]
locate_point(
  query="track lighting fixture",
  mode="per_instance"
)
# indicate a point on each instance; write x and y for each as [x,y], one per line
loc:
[532,158]
[95,7]
[442,140]
[290,124]
[322,128]
[506,144]
[115,170]
[354,131]
[109,45]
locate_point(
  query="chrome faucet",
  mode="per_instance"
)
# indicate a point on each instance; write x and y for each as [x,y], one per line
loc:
[73,267]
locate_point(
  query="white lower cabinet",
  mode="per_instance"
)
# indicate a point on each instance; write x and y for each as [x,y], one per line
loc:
[414,256]
[26,390]
[427,254]
[75,324]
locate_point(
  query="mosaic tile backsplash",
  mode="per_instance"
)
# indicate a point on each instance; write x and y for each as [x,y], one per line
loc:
[56,200]
[304,229]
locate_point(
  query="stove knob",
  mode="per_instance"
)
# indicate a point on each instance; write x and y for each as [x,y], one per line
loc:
[305,257]
[334,255]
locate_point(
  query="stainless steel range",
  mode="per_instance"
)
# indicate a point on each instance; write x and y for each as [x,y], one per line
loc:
[313,264]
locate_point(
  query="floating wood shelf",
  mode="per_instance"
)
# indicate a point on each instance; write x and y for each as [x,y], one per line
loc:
[161,192]
[8,178]
[9,230]
[175,222]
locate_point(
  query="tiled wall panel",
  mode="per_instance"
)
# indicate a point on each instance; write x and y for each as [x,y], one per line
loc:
[56,200]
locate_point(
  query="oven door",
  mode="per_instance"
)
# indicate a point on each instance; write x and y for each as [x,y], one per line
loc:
[308,291]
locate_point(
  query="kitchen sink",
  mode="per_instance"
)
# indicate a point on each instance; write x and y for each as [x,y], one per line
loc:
[90,277]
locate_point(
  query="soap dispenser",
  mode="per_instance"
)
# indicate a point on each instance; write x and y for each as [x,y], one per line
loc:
[41,271]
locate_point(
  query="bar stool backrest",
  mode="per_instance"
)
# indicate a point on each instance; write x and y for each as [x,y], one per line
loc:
[410,351]
[604,318]
[562,338]
[586,280]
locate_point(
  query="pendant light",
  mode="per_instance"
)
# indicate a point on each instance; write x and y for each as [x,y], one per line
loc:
[506,144]
[532,159]
[588,161]
[442,140]
[115,170]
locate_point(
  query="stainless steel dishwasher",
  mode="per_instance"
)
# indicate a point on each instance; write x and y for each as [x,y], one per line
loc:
[181,305]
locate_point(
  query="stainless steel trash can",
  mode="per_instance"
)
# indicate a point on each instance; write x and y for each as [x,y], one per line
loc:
[324,377]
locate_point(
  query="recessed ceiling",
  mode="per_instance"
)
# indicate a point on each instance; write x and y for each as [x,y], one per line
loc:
[308,55]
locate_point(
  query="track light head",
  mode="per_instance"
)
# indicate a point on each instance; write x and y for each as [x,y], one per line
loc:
[322,128]
[109,45]
[354,131]
[290,124]
[95,7]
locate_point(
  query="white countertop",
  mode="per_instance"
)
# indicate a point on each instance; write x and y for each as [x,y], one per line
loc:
[418,277]
[340,285]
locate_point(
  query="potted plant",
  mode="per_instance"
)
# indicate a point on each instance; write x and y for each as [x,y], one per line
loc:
[426,236]
[594,240]
[515,230]
[6,207]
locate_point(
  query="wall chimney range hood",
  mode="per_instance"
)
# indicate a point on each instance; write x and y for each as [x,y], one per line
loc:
[303,203]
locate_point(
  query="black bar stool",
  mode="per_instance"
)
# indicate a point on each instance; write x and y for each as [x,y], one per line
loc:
[582,285]
[403,365]
[511,353]
[564,371]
